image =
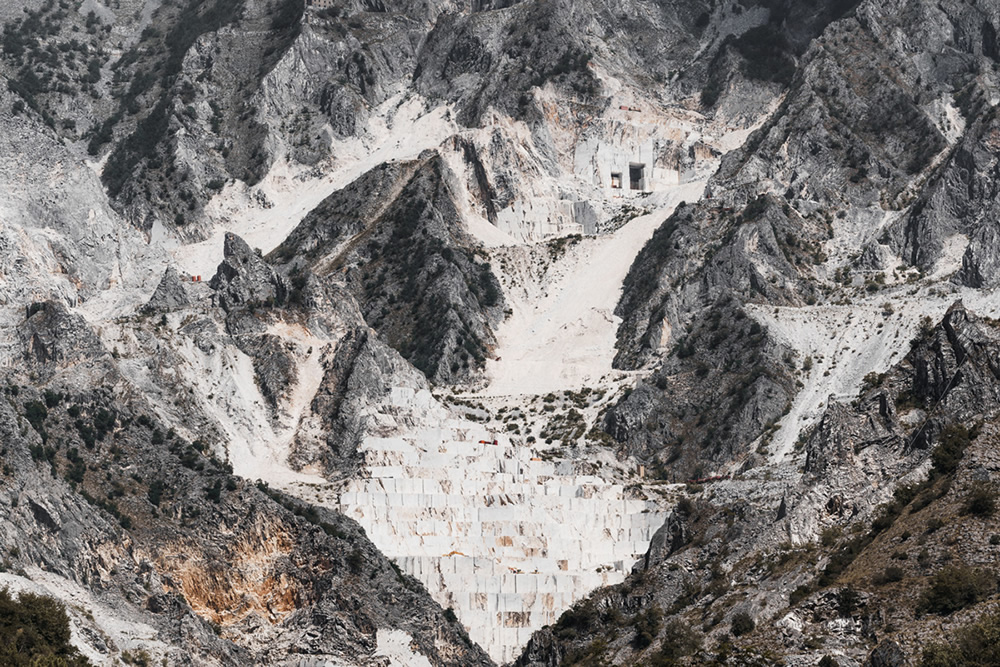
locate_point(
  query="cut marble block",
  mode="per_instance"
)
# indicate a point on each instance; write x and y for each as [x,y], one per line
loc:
[509,543]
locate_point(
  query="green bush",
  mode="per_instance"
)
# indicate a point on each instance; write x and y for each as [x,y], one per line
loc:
[138,658]
[847,602]
[34,632]
[952,442]
[35,413]
[742,624]
[647,626]
[214,492]
[52,398]
[799,594]
[956,587]
[155,493]
[934,524]
[981,500]
[356,562]
[890,575]
[578,618]
[974,645]
[678,640]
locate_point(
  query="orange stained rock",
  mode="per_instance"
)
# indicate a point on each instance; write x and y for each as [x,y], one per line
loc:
[246,577]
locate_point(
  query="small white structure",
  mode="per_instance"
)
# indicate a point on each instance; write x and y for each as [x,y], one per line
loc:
[624,169]
[627,159]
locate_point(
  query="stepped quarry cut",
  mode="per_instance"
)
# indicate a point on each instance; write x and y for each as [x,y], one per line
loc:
[507,540]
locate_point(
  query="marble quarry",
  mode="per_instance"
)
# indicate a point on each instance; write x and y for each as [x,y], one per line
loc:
[506,539]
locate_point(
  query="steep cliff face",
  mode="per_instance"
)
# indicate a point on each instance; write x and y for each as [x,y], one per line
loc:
[60,235]
[722,381]
[953,215]
[726,383]
[418,275]
[765,252]
[878,137]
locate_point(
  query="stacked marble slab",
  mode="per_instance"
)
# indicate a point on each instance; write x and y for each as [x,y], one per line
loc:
[507,540]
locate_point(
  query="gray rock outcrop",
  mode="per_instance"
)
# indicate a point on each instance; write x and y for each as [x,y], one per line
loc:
[170,293]
[244,279]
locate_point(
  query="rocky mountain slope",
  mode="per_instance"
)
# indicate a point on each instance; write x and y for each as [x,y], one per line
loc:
[385,332]
[841,561]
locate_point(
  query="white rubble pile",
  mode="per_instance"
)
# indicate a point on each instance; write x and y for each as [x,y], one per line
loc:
[506,539]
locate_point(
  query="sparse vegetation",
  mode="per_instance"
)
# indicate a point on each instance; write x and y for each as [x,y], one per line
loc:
[981,500]
[890,574]
[975,644]
[955,587]
[952,442]
[742,624]
[34,632]
[677,641]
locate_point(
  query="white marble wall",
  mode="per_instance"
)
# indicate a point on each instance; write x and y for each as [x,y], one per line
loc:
[506,541]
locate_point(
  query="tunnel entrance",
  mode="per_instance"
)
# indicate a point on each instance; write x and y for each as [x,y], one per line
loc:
[637,176]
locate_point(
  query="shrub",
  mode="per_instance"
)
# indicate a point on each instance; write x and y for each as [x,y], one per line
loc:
[356,562]
[977,643]
[678,640]
[104,422]
[35,413]
[34,630]
[52,398]
[981,500]
[952,442]
[956,587]
[647,626]
[829,536]
[799,594]
[580,617]
[138,658]
[847,602]
[742,624]
[155,493]
[214,492]
[890,575]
